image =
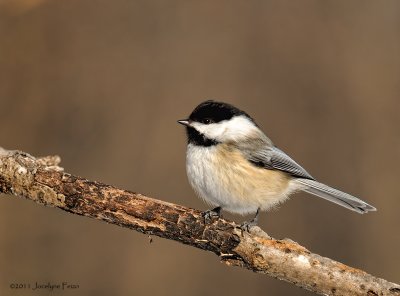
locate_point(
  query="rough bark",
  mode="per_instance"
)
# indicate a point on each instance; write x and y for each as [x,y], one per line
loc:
[43,181]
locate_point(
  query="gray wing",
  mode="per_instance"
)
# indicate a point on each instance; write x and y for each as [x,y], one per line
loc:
[264,154]
[271,157]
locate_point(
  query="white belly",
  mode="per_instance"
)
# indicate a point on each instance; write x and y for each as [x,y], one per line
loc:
[222,177]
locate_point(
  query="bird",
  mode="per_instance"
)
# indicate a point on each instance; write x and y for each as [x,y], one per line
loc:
[233,166]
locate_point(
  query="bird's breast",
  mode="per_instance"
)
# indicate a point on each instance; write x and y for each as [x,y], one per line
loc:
[222,176]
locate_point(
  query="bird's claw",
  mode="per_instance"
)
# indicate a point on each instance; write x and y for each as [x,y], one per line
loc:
[247,225]
[211,215]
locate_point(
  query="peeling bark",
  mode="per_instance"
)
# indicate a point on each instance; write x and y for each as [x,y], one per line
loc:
[43,181]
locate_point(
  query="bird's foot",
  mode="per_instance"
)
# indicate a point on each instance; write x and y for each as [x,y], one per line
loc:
[211,215]
[247,225]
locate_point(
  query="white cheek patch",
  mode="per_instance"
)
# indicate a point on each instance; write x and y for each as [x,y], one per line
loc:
[212,130]
[237,128]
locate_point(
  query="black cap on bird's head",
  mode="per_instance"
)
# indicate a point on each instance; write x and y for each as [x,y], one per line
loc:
[213,112]
[206,120]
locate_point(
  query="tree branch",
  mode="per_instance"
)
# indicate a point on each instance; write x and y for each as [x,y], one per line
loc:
[43,181]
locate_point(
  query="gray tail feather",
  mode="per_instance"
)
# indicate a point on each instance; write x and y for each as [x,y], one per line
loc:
[336,196]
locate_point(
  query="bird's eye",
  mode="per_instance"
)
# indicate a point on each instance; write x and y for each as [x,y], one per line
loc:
[207,121]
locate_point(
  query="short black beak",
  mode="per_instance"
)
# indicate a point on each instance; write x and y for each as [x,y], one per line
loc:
[184,122]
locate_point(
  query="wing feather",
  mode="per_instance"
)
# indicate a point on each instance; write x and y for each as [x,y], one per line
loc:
[281,161]
[270,157]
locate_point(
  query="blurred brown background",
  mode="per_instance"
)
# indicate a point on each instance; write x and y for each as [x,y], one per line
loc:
[102,83]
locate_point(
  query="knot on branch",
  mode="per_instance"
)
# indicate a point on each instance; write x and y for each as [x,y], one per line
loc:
[18,172]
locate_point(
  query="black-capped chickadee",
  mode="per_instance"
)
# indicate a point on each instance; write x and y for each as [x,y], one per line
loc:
[232,165]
